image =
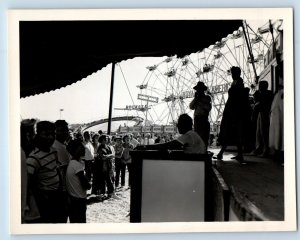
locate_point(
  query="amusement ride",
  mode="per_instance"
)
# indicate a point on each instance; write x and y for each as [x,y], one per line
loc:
[167,89]
[169,84]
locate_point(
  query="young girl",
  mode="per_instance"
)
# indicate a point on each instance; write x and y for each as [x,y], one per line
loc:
[126,158]
[77,183]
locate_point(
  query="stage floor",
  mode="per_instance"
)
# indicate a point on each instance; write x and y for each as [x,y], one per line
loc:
[261,179]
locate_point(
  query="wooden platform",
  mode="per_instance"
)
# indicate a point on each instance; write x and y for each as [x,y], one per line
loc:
[261,180]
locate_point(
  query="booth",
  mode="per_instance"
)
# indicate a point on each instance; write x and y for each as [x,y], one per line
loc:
[170,186]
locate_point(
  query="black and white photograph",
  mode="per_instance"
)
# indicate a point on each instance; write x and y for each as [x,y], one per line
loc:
[152,120]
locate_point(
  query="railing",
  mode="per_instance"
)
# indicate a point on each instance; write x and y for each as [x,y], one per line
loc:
[221,193]
[231,204]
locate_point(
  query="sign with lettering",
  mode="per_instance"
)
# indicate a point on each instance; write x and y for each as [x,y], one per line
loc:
[148,98]
[220,88]
[157,129]
[146,129]
[136,129]
[123,129]
[169,129]
[135,107]
[188,94]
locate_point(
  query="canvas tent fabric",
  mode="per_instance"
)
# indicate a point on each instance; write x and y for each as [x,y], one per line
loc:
[55,54]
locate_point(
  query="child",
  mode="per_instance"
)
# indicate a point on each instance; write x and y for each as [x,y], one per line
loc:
[77,183]
[126,158]
[120,166]
[43,174]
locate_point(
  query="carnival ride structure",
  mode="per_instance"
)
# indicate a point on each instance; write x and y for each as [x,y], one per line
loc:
[172,80]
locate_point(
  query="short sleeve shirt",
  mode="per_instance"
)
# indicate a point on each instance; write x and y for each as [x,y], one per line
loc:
[62,153]
[192,142]
[73,184]
[44,165]
[89,151]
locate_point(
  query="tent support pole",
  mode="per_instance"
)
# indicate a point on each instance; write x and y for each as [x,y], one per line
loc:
[250,51]
[111,98]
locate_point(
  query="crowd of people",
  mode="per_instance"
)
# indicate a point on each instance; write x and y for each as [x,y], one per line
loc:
[58,167]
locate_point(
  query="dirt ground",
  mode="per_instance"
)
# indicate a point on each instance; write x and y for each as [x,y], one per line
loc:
[113,210]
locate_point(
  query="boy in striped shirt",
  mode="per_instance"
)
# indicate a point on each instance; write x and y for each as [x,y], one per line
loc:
[43,175]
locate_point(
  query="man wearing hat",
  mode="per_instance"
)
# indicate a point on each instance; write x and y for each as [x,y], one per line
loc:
[202,106]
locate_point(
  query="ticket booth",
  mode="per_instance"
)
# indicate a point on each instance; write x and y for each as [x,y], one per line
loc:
[170,186]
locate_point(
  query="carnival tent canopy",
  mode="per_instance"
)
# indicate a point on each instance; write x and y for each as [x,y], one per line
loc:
[54,54]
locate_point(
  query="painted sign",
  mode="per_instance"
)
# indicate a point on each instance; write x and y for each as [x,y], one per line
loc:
[146,129]
[136,129]
[157,129]
[135,107]
[148,98]
[220,88]
[188,94]
[169,129]
[123,129]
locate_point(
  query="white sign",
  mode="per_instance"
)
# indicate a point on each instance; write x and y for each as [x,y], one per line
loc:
[123,129]
[156,129]
[220,88]
[135,107]
[136,129]
[146,129]
[169,129]
[148,98]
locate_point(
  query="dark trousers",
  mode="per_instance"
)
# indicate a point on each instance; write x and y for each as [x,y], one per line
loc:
[51,206]
[107,181]
[202,127]
[88,169]
[77,210]
[65,209]
[129,173]
[97,176]
[120,168]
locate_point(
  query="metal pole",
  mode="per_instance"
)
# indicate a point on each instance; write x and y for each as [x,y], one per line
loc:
[111,98]
[60,110]
[273,40]
[250,52]
[146,113]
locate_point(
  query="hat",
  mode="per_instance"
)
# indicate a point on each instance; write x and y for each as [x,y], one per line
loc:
[200,86]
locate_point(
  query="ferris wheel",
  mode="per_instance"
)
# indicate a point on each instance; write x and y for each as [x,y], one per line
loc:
[173,79]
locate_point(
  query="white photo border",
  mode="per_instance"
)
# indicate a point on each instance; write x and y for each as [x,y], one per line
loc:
[290,222]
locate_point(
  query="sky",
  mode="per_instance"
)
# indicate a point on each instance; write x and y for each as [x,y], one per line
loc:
[88,100]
